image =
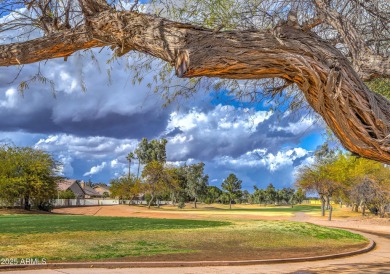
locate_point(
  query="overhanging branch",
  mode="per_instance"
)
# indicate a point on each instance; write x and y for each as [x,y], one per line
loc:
[360,118]
[48,47]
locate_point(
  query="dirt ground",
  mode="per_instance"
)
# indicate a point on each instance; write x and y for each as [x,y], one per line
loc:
[144,212]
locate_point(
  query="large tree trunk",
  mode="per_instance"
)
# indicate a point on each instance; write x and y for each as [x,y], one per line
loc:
[151,200]
[195,203]
[356,207]
[322,198]
[327,202]
[139,164]
[357,116]
[382,211]
[330,213]
[27,205]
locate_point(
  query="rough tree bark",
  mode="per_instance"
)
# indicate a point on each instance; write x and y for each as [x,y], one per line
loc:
[329,82]
[322,198]
[151,200]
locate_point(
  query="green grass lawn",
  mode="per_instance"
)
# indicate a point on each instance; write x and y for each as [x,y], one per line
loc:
[48,223]
[75,238]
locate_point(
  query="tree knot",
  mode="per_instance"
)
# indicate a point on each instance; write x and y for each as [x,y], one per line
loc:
[182,63]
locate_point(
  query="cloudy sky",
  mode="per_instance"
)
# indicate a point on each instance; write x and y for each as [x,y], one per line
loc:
[92,131]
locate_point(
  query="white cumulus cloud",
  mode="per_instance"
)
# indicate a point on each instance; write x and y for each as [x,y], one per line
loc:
[296,127]
[96,169]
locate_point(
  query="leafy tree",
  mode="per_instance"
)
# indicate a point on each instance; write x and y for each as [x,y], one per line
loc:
[259,195]
[358,180]
[381,86]
[157,180]
[321,176]
[285,195]
[150,151]
[270,194]
[196,181]
[28,174]
[245,197]
[177,186]
[125,187]
[299,195]
[366,183]
[310,179]
[225,198]
[213,194]
[67,194]
[129,158]
[175,183]
[239,42]
[232,186]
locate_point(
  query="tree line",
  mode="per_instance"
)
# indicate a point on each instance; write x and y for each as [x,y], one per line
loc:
[188,183]
[347,179]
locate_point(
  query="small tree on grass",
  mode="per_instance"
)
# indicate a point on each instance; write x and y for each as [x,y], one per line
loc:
[259,195]
[158,180]
[196,181]
[27,174]
[124,188]
[213,194]
[270,194]
[232,186]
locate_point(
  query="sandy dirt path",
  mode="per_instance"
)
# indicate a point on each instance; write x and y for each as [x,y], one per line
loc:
[144,212]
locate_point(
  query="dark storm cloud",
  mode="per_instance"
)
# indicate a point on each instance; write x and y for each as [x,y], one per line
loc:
[118,110]
[119,126]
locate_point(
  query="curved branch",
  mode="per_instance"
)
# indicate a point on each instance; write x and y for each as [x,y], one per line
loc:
[360,118]
[48,47]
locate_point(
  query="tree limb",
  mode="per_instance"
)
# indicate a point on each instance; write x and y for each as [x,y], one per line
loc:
[48,47]
[358,117]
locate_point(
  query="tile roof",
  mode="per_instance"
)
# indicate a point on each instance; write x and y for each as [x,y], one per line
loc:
[64,184]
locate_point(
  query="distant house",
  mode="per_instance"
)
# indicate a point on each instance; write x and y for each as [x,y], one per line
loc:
[89,192]
[102,188]
[80,189]
[72,185]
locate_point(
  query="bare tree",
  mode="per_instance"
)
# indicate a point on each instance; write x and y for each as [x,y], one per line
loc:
[371,194]
[326,48]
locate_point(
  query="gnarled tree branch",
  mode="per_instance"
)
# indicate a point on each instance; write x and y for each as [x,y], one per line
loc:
[360,118]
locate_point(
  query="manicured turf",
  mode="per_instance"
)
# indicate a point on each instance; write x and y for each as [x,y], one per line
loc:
[308,230]
[60,223]
[83,238]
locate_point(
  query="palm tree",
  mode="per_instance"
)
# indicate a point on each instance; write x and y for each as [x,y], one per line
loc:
[129,157]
